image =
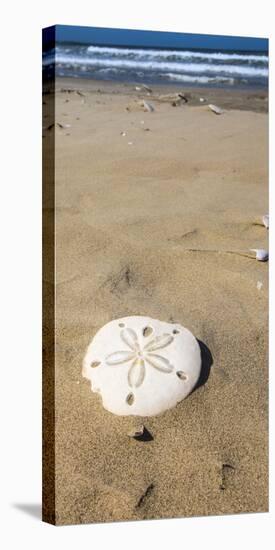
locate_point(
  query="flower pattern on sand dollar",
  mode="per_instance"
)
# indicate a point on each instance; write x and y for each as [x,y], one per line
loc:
[141,355]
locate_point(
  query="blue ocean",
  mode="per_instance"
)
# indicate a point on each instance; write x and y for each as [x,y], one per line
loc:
[162,66]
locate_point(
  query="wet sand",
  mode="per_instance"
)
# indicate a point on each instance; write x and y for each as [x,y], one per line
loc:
[148,223]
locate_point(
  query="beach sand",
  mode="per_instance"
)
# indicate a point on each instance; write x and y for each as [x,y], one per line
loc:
[145,225]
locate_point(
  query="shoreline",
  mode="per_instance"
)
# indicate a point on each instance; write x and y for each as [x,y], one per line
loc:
[255,100]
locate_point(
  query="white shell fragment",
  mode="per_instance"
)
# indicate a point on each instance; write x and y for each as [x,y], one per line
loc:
[265,219]
[62,126]
[147,106]
[146,88]
[259,285]
[261,254]
[142,366]
[215,109]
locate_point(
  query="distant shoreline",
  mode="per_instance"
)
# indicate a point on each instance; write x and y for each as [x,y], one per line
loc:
[173,84]
[240,99]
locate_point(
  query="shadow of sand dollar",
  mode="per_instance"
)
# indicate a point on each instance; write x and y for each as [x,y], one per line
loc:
[206,364]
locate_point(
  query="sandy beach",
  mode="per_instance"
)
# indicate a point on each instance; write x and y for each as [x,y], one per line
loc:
[153,213]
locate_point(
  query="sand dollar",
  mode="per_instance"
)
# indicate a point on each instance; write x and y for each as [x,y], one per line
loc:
[142,366]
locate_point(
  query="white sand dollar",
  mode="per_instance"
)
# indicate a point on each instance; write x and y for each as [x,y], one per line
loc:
[142,366]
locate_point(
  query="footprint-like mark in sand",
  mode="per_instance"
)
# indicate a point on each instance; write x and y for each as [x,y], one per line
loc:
[143,499]
[226,474]
[120,282]
[184,236]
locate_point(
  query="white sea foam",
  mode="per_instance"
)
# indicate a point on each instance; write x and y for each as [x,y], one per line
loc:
[200,67]
[199,79]
[164,66]
[164,54]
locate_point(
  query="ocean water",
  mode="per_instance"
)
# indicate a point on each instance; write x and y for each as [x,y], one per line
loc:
[162,66]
